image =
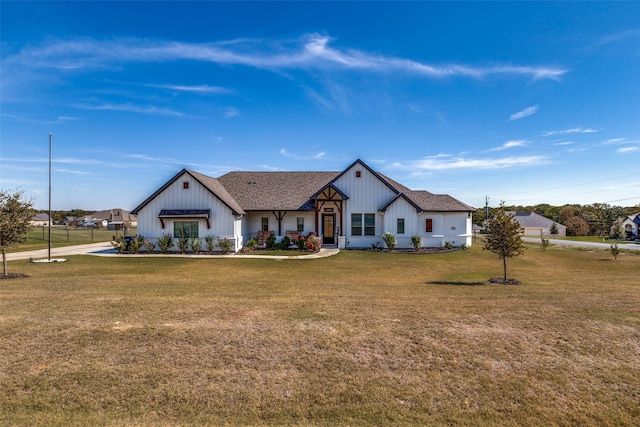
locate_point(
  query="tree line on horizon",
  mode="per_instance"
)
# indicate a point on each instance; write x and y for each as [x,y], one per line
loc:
[581,220]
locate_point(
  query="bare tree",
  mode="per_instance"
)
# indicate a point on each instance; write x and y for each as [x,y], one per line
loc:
[504,238]
[15,216]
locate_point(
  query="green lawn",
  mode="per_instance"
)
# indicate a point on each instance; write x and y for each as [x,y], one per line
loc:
[359,338]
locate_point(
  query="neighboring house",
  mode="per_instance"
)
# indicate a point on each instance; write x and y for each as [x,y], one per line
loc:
[630,225]
[117,216]
[69,220]
[352,208]
[536,225]
[40,220]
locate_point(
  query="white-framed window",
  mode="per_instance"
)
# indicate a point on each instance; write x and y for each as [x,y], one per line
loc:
[185,228]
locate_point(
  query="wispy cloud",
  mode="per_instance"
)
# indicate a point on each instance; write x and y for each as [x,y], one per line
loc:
[627,149]
[231,112]
[617,37]
[302,157]
[570,131]
[312,51]
[524,113]
[131,108]
[511,144]
[199,89]
[448,162]
[58,120]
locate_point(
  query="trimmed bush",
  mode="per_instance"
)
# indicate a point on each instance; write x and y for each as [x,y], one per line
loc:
[165,243]
[390,240]
[416,241]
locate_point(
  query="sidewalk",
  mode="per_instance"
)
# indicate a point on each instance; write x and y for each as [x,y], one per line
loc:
[106,249]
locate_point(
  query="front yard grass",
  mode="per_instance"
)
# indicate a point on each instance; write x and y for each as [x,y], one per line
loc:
[359,338]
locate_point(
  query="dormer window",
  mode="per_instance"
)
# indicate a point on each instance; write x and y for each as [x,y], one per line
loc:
[185,185]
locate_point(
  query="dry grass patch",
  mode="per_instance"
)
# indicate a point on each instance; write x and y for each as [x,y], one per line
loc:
[356,339]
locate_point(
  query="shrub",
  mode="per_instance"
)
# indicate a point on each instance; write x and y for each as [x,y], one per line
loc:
[252,244]
[210,243]
[270,243]
[135,243]
[149,245]
[119,243]
[463,246]
[196,244]
[416,241]
[183,243]
[448,245]
[301,242]
[165,243]
[313,243]
[390,240]
[284,243]
[225,245]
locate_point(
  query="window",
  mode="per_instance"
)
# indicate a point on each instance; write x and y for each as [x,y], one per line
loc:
[356,224]
[185,228]
[358,174]
[429,226]
[300,224]
[265,223]
[185,185]
[369,224]
[400,226]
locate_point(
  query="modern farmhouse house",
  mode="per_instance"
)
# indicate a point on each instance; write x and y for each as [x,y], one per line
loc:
[352,208]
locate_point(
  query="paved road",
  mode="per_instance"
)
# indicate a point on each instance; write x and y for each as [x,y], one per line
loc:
[106,249]
[605,245]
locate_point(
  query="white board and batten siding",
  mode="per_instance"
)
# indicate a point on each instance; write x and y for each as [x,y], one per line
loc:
[446,226]
[366,194]
[222,221]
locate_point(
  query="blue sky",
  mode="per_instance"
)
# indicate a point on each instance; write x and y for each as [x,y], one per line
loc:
[522,102]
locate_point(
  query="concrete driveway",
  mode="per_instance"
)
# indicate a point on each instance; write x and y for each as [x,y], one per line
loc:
[64,251]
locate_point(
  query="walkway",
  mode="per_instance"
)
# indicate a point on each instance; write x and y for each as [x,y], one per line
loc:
[105,249]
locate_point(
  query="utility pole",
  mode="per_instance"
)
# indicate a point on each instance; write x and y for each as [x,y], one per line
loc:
[486,210]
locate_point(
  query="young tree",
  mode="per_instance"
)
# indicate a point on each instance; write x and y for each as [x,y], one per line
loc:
[15,214]
[553,230]
[504,238]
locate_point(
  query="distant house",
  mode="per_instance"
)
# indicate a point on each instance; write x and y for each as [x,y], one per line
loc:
[533,224]
[349,208]
[69,220]
[630,225]
[117,216]
[40,220]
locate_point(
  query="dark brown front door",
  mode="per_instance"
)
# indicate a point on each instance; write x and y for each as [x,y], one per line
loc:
[328,227]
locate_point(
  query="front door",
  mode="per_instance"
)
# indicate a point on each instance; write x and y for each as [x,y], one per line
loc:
[328,227]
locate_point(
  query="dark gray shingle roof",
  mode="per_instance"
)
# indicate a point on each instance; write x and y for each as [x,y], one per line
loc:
[532,219]
[274,190]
